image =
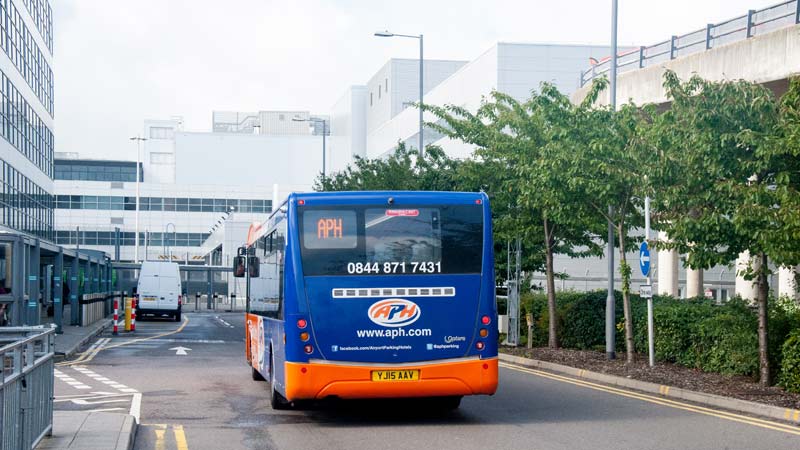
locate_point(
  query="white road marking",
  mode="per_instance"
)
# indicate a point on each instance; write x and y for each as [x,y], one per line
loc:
[136,406]
[180,350]
[223,322]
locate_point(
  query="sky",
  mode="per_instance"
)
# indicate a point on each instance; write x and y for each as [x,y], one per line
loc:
[120,62]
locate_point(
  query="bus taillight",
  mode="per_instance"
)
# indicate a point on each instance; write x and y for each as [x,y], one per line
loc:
[484,332]
[301,323]
[486,320]
[308,349]
[479,345]
[304,336]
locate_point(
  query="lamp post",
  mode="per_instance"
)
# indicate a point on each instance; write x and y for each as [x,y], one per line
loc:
[421,72]
[166,239]
[610,300]
[324,133]
[138,140]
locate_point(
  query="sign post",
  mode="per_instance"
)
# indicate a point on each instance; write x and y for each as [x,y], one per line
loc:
[644,265]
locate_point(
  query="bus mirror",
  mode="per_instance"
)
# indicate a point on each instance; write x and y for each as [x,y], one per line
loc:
[255,265]
[238,266]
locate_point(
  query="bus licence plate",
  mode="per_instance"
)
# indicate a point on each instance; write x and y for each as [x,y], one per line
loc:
[395,375]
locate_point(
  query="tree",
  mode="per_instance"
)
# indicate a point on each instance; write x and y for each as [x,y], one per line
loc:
[516,139]
[727,179]
[403,170]
[604,170]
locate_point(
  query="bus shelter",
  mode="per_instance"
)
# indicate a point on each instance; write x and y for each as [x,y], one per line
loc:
[39,280]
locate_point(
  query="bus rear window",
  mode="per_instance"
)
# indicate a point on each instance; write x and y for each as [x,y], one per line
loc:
[444,239]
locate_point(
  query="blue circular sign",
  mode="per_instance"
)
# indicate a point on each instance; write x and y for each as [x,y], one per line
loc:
[644,259]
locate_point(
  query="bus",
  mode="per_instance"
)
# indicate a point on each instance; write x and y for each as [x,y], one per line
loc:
[358,295]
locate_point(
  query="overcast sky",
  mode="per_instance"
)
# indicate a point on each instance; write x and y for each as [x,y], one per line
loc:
[119,62]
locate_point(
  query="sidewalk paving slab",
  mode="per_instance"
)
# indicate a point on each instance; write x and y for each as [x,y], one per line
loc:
[86,430]
[74,337]
[733,404]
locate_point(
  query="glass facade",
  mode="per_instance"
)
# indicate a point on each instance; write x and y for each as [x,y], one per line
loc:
[182,204]
[70,237]
[67,169]
[42,16]
[23,129]
[25,206]
[20,46]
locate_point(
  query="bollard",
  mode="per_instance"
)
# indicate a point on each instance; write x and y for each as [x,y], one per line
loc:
[116,317]
[233,302]
[133,315]
[196,300]
[128,302]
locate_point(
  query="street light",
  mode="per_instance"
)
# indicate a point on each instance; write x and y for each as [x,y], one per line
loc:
[166,239]
[324,132]
[421,66]
[138,140]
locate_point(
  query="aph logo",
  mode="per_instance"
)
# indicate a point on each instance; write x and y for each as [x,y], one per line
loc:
[394,312]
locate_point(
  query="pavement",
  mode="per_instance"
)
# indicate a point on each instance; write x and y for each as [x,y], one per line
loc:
[74,337]
[92,429]
[195,392]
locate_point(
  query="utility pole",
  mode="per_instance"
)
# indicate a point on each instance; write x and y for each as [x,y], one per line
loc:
[610,300]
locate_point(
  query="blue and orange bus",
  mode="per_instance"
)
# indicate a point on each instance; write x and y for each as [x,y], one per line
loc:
[373,295]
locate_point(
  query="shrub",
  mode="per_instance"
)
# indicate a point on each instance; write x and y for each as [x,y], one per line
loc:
[727,342]
[789,377]
[694,332]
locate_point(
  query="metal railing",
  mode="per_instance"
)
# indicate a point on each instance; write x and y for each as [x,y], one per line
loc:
[26,386]
[754,23]
[95,307]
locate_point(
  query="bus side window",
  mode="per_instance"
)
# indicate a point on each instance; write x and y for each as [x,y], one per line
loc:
[280,243]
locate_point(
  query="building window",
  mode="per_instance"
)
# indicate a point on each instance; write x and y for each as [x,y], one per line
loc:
[17,41]
[370,99]
[24,206]
[5,268]
[162,133]
[379,92]
[386,85]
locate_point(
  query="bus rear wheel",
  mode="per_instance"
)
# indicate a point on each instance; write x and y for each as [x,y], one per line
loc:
[257,375]
[449,403]
[276,400]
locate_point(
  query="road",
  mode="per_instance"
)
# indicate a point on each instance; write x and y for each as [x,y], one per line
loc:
[206,399]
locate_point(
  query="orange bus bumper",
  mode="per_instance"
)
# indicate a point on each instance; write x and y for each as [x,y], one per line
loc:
[320,380]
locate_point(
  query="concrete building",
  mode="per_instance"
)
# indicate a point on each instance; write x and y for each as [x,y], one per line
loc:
[273,123]
[760,46]
[192,182]
[385,102]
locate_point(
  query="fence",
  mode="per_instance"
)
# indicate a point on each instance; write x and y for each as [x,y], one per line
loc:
[95,307]
[26,386]
[217,302]
[754,23]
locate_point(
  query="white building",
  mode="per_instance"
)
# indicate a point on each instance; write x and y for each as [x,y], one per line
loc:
[369,120]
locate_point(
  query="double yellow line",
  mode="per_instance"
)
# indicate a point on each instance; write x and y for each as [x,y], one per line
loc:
[177,431]
[89,354]
[661,401]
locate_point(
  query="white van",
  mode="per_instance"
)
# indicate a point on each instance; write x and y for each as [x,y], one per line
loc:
[159,289]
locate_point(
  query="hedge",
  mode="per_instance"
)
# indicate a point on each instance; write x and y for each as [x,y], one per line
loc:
[695,332]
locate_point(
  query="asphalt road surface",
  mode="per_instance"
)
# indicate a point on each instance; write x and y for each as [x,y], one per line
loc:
[206,399]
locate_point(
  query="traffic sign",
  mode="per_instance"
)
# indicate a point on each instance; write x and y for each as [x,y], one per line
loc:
[646,291]
[644,259]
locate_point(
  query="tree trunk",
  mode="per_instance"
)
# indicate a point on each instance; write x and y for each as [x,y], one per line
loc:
[552,330]
[626,298]
[763,316]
